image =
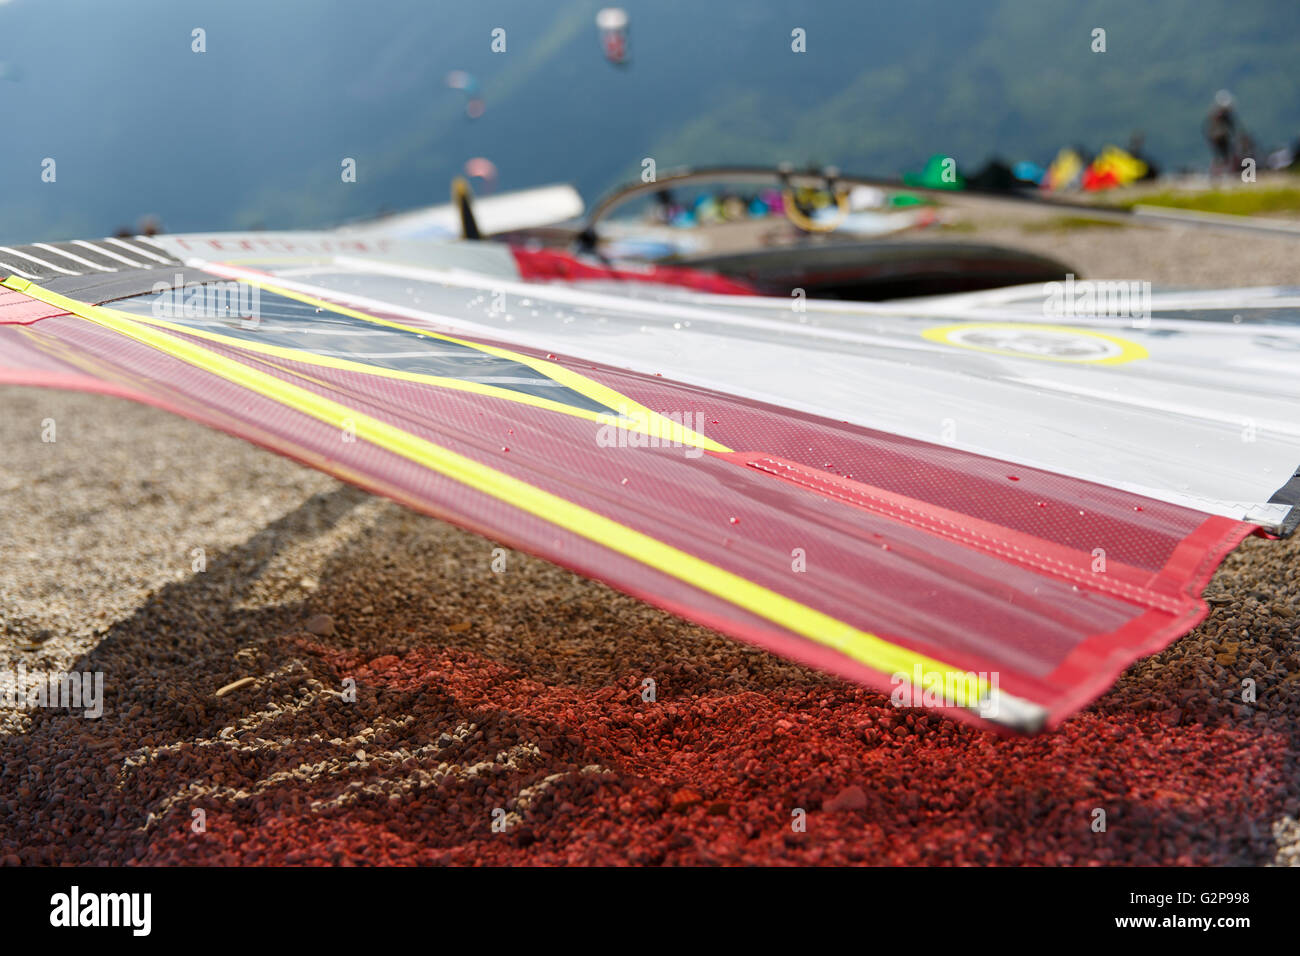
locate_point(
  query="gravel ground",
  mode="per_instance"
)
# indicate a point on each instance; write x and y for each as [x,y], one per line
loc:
[1180,256]
[400,702]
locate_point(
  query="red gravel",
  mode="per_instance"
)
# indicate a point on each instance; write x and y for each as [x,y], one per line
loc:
[521,693]
[935,792]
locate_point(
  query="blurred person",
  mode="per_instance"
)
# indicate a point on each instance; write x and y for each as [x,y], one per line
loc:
[1220,131]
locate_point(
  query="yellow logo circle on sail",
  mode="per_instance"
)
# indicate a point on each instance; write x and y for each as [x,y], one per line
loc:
[1051,343]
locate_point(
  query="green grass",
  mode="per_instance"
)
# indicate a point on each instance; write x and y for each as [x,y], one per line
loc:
[1070,223]
[1246,201]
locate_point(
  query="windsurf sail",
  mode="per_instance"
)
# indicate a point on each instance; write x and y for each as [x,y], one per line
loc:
[952,499]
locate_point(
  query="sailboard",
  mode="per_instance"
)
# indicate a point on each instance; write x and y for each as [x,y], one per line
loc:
[952,494]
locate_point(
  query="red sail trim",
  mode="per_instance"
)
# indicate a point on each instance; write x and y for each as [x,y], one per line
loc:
[19,309]
[551,264]
[1172,596]
[1045,557]
[1092,667]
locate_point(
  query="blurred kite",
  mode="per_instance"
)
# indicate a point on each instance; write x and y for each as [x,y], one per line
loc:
[612,23]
